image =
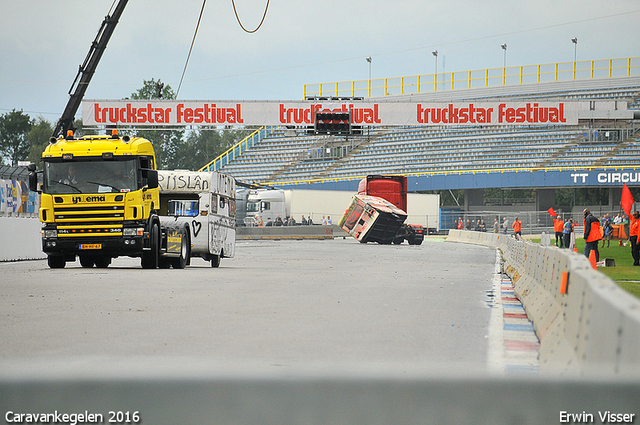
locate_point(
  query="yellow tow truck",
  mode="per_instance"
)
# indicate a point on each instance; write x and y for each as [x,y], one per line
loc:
[99,200]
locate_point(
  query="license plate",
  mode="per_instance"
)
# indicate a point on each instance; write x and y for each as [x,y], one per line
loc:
[91,246]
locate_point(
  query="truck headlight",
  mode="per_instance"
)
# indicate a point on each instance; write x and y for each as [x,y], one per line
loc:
[50,233]
[136,231]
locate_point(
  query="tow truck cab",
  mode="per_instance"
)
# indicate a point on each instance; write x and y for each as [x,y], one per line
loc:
[98,200]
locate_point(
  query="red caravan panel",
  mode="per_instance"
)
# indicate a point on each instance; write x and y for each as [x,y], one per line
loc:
[391,188]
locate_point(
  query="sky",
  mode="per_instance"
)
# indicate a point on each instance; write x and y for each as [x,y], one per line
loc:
[43,42]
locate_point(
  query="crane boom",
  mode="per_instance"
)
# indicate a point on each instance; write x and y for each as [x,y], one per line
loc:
[87,69]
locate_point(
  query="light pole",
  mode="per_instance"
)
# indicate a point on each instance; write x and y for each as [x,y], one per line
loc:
[369,60]
[435,53]
[574,40]
[504,47]
[504,64]
[435,71]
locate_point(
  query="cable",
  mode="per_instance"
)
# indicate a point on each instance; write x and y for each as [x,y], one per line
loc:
[415,48]
[191,48]
[259,25]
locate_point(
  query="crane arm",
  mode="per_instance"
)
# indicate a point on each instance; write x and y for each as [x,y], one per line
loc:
[87,69]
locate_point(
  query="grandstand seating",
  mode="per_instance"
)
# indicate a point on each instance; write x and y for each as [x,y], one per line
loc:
[283,157]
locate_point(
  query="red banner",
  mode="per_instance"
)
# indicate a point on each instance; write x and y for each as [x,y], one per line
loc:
[302,113]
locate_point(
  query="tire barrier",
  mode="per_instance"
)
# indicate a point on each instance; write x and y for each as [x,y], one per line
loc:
[586,323]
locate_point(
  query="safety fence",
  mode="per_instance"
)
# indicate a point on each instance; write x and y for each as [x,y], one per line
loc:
[587,325]
[16,200]
[490,77]
[532,222]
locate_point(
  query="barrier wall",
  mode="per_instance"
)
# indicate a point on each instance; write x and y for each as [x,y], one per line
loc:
[20,239]
[289,232]
[591,328]
[160,397]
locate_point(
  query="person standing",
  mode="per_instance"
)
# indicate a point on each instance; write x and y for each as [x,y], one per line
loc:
[496,226]
[566,233]
[607,229]
[558,226]
[505,225]
[592,235]
[517,228]
[634,232]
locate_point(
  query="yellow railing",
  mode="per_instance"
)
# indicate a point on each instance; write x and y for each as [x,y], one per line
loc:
[458,172]
[510,75]
[238,149]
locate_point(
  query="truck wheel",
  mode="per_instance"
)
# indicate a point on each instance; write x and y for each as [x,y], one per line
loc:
[86,262]
[215,260]
[103,262]
[414,241]
[181,262]
[150,258]
[56,261]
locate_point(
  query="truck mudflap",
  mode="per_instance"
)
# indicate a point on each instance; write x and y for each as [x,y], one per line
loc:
[175,248]
[174,243]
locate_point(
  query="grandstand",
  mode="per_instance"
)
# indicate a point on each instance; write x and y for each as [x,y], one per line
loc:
[454,157]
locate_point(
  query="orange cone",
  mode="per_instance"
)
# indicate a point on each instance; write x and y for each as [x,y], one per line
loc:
[592,259]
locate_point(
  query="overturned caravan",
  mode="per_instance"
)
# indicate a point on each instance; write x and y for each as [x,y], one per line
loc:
[201,208]
[372,219]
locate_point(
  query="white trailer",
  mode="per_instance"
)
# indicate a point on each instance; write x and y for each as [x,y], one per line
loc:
[201,205]
[267,204]
[424,209]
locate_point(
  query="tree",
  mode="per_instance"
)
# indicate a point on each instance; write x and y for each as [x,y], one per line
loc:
[14,128]
[152,89]
[38,138]
[204,145]
[165,142]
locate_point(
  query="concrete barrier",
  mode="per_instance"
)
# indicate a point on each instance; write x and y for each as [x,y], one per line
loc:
[593,327]
[162,397]
[20,239]
[288,232]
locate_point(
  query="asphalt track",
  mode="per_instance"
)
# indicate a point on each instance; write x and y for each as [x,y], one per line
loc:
[330,305]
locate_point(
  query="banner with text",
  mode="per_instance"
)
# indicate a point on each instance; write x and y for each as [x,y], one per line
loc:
[301,113]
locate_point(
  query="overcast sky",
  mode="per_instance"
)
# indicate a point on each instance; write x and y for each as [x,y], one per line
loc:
[42,43]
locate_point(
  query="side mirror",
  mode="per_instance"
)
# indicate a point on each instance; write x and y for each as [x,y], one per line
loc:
[152,179]
[33,181]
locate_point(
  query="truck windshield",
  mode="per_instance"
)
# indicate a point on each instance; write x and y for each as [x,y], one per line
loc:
[253,206]
[90,176]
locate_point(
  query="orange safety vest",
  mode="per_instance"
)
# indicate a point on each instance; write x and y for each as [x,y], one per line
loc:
[594,232]
[558,225]
[517,226]
[634,226]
